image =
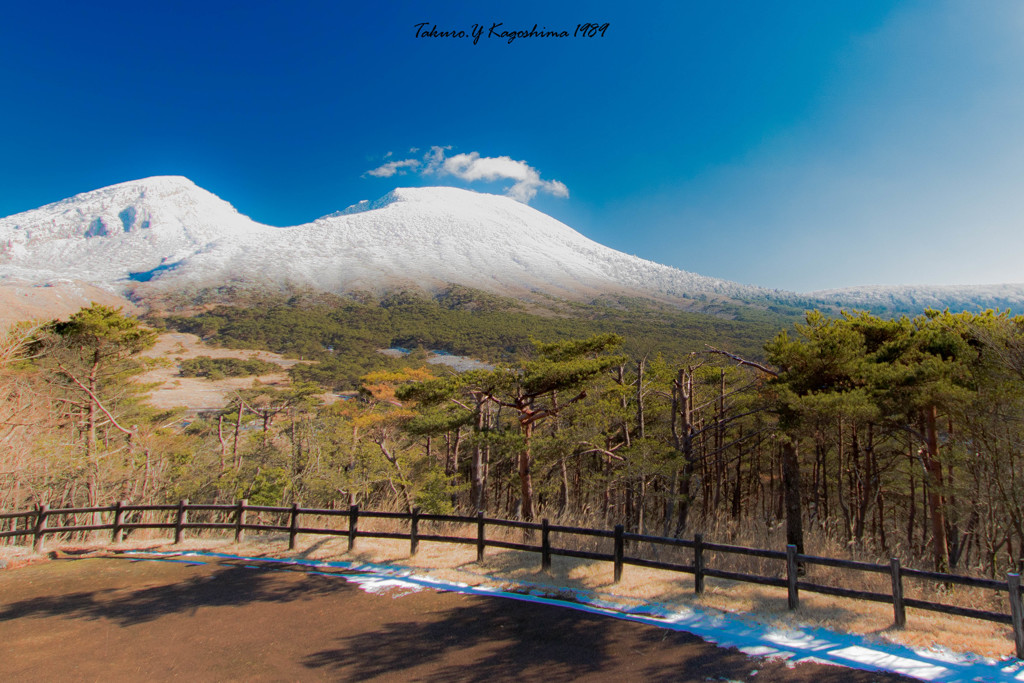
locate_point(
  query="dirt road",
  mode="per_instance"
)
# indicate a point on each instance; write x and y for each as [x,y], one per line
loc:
[118,619]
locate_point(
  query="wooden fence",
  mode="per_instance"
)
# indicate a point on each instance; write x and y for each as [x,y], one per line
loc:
[236,517]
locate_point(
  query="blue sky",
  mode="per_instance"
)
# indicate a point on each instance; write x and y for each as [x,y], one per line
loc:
[798,145]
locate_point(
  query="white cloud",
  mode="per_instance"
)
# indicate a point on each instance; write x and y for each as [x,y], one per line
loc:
[393,167]
[434,159]
[472,167]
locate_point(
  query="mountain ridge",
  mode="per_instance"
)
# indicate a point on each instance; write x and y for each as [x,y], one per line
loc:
[164,229]
[166,232]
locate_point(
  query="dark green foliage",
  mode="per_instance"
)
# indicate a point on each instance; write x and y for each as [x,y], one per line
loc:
[458,297]
[104,332]
[342,371]
[217,368]
[344,333]
[435,495]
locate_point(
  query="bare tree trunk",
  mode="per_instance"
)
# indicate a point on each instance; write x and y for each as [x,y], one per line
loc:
[670,504]
[737,491]
[565,487]
[640,430]
[940,546]
[791,483]
[844,504]
[90,435]
[624,403]
[238,428]
[352,465]
[478,484]
[90,448]
[525,477]
[912,502]
[223,442]
[451,465]
[683,437]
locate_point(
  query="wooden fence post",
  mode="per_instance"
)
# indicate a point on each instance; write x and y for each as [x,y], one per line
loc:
[179,523]
[481,541]
[40,530]
[414,532]
[698,563]
[791,576]
[545,545]
[353,519]
[117,535]
[619,551]
[292,526]
[898,609]
[1016,612]
[240,520]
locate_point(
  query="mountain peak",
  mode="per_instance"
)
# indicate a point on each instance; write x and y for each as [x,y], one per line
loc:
[171,233]
[170,182]
[166,230]
[158,185]
[107,235]
[436,195]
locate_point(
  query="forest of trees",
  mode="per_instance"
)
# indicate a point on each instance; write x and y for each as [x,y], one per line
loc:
[342,333]
[889,437]
[219,368]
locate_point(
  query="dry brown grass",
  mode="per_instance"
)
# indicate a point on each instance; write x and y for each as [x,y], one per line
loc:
[199,393]
[518,570]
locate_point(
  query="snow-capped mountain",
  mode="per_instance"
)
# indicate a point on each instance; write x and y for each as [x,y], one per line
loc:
[171,233]
[111,235]
[166,233]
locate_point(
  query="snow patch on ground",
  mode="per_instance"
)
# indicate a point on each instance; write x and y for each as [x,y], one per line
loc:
[394,588]
[457,363]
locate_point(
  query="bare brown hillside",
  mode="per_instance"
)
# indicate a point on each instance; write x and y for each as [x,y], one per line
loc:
[58,300]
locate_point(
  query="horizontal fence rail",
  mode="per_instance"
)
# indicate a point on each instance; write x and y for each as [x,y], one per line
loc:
[237,517]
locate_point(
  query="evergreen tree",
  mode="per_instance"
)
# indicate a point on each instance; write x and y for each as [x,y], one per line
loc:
[92,357]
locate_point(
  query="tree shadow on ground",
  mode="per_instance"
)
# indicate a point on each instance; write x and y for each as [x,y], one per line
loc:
[486,640]
[231,584]
[420,636]
[501,639]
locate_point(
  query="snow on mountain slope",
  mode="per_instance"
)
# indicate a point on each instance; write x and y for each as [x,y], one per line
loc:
[432,236]
[169,231]
[105,236]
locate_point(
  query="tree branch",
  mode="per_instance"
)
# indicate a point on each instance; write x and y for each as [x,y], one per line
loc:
[96,399]
[603,451]
[743,361]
